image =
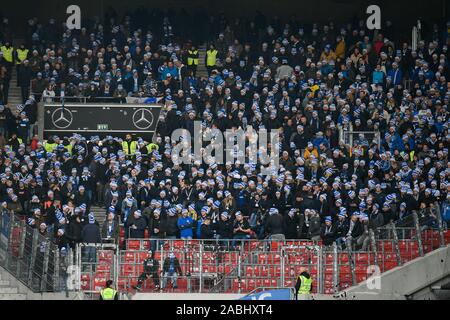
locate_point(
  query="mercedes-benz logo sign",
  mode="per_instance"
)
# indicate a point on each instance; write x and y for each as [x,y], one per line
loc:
[62,118]
[142,119]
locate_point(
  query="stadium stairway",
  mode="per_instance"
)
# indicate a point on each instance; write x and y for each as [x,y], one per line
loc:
[201,69]
[100,214]
[7,290]
[15,95]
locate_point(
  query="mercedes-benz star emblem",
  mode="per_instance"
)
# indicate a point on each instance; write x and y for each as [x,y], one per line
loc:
[62,118]
[142,119]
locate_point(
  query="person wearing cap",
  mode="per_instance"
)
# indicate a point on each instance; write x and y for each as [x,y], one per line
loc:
[108,292]
[14,205]
[155,227]
[241,229]
[151,270]
[185,225]
[206,230]
[171,270]
[274,225]
[355,229]
[328,231]
[224,229]
[171,224]
[363,240]
[314,225]
[82,197]
[135,225]
[310,152]
[342,226]
[290,224]
[74,230]
[91,235]
[111,227]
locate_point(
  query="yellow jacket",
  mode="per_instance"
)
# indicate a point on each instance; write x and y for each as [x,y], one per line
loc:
[340,50]
[307,154]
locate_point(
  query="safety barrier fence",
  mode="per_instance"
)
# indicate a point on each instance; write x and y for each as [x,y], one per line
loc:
[238,266]
[93,265]
[31,257]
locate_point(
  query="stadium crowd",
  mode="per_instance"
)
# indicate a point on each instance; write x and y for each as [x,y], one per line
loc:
[308,81]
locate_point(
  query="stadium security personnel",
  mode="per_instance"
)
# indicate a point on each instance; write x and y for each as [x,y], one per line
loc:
[8,53]
[50,145]
[304,283]
[129,146]
[108,293]
[21,56]
[151,147]
[192,60]
[211,58]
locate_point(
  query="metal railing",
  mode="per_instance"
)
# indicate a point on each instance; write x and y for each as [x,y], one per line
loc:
[30,257]
[81,99]
[95,264]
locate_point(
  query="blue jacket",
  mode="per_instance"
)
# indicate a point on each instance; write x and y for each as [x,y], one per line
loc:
[185,225]
[199,228]
[377,77]
[317,141]
[396,76]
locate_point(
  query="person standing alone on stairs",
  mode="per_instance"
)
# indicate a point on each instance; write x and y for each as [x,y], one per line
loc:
[24,75]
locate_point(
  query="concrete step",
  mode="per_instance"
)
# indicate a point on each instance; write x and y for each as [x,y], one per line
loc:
[8,290]
[13,296]
[5,283]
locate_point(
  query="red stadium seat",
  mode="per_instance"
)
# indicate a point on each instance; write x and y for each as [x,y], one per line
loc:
[251,284]
[127,270]
[182,284]
[133,244]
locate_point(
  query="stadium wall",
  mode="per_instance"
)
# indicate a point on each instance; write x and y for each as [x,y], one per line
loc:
[185,296]
[411,281]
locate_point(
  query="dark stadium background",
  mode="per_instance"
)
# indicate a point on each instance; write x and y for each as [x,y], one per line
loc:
[402,13]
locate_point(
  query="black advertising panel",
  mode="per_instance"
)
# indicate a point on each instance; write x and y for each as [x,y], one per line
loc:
[101,119]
